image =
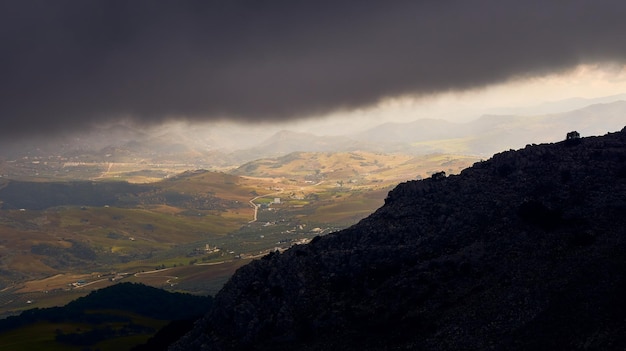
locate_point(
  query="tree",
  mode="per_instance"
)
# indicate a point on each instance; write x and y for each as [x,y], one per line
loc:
[438,175]
[572,138]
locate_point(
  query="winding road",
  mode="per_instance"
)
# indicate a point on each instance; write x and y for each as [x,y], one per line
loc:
[256,207]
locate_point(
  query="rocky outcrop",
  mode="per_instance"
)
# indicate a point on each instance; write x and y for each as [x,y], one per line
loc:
[524,251]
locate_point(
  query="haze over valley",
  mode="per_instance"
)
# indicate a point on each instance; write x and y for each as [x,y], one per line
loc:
[103,152]
[126,199]
[170,144]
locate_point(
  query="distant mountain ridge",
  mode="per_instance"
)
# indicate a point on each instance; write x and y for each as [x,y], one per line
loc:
[218,147]
[524,251]
[491,133]
[558,106]
[483,136]
[285,142]
[419,130]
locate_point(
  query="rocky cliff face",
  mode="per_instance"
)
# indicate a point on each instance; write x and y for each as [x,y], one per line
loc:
[524,251]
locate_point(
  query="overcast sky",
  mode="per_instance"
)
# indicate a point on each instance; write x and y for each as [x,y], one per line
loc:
[68,64]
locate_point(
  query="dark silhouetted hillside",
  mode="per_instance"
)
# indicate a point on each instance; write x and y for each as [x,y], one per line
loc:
[115,312]
[524,251]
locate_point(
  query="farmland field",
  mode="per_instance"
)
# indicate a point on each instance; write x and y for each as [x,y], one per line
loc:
[185,230]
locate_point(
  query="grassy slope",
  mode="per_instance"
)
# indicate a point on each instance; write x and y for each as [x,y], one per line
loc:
[170,224]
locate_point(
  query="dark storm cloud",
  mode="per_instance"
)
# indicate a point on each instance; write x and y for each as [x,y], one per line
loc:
[67,64]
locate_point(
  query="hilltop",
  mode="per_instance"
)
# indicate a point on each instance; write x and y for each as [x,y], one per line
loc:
[524,251]
[124,314]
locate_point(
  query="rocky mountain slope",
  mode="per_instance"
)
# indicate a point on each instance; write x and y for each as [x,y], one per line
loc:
[524,251]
